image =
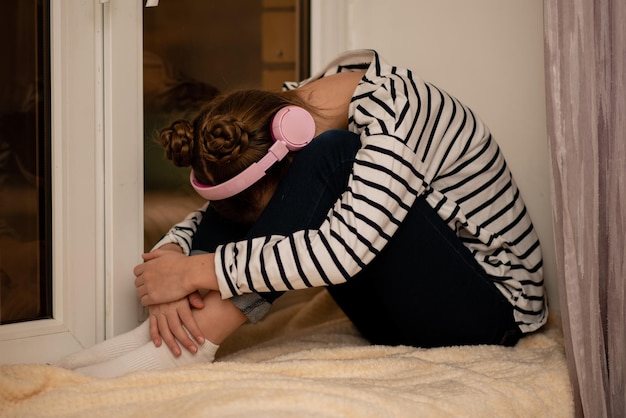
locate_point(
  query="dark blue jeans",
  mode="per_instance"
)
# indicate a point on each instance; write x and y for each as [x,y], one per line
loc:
[424,289]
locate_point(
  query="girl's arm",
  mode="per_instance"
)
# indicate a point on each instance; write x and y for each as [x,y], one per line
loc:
[167,319]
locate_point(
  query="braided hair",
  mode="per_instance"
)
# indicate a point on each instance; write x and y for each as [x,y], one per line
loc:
[228,135]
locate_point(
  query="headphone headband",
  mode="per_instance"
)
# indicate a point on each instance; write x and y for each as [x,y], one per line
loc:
[292,129]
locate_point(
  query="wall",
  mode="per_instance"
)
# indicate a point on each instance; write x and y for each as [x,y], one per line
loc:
[487,53]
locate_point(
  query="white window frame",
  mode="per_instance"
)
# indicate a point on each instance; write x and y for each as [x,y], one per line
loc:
[97,180]
[123,138]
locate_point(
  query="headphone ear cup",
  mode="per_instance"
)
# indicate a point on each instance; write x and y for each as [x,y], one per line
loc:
[292,129]
[294,126]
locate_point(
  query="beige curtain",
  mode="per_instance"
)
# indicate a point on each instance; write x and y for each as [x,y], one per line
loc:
[585,47]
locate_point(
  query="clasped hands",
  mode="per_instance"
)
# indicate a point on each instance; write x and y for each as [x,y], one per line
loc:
[169,283]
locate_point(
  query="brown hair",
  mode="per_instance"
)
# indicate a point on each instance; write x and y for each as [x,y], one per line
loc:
[226,137]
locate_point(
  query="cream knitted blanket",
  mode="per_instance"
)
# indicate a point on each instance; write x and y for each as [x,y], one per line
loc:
[306,360]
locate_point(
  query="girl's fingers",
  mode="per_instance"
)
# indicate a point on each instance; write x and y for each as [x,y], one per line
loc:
[196,301]
[167,335]
[181,335]
[190,323]
[154,331]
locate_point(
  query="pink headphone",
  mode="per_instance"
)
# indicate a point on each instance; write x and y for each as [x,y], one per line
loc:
[293,128]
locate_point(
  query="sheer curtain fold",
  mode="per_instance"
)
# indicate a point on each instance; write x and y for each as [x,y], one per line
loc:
[585,51]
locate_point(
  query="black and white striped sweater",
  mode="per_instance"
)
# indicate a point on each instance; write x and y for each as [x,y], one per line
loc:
[416,140]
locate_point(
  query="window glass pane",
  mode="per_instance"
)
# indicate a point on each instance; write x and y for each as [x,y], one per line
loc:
[193,50]
[25,204]
[177,77]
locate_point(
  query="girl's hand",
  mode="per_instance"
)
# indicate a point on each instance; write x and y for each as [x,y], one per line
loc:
[166,276]
[167,321]
[162,277]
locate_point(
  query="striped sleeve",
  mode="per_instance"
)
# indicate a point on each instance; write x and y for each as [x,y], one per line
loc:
[381,190]
[385,182]
[182,233]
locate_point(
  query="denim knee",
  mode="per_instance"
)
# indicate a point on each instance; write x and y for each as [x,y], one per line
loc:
[330,150]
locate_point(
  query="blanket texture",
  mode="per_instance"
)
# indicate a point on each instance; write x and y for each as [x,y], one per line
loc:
[307,360]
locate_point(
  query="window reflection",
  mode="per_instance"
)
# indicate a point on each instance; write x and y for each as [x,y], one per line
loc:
[193,50]
[25,231]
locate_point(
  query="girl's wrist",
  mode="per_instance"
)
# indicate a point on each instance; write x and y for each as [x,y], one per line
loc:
[171,247]
[202,272]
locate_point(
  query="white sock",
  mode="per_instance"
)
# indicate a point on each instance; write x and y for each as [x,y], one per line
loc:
[150,357]
[108,349]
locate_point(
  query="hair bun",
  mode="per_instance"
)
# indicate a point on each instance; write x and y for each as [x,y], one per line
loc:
[178,142]
[224,139]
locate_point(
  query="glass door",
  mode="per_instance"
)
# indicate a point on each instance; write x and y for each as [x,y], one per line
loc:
[70,174]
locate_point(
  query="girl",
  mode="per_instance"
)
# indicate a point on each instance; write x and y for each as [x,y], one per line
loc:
[412,220]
